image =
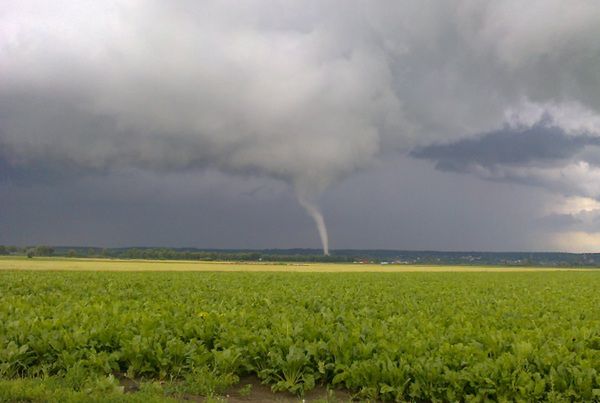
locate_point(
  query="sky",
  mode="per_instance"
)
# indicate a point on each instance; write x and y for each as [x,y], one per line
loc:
[415,125]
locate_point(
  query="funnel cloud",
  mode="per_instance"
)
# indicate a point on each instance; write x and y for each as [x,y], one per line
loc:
[312,210]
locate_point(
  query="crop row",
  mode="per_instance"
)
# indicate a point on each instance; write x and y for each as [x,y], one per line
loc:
[387,336]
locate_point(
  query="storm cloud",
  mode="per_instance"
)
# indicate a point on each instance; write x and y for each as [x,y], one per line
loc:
[538,145]
[306,93]
[541,155]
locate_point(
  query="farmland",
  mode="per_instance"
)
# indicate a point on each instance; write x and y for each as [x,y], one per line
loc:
[153,331]
[57,264]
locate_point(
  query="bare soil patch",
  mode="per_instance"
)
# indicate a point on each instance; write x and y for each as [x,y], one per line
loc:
[250,389]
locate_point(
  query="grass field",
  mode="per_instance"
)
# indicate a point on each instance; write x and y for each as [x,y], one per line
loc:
[81,330]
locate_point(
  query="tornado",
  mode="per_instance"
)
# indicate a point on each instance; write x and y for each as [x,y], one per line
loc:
[312,210]
[285,106]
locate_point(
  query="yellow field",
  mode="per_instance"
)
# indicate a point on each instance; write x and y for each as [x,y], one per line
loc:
[62,264]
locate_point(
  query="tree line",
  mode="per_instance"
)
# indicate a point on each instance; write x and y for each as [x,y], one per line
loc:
[167,254]
[29,251]
[553,259]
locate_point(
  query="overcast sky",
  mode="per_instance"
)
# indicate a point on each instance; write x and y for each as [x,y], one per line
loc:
[455,125]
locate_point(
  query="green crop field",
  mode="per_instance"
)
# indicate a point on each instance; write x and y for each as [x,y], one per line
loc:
[81,334]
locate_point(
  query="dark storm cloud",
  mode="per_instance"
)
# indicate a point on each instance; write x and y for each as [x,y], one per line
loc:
[543,155]
[306,93]
[541,144]
[374,209]
[35,173]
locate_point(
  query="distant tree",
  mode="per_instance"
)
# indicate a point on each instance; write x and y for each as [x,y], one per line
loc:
[71,253]
[30,253]
[133,253]
[43,251]
[3,250]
